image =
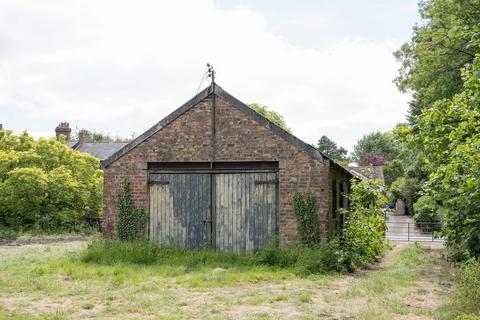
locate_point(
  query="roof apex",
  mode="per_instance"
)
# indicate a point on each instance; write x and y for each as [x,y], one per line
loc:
[219,92]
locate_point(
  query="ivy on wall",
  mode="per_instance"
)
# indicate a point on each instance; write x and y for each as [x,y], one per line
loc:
[308,220]
[132,221]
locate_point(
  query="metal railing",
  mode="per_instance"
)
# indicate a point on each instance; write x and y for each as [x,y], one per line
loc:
[414,231]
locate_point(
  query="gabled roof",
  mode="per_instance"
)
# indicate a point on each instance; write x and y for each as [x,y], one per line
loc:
[100,150]
[219,92]
[368,172]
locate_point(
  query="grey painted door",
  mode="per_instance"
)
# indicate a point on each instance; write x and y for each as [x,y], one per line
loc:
[179,205]
[245,210]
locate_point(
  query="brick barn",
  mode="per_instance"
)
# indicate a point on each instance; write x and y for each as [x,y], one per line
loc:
[216,174]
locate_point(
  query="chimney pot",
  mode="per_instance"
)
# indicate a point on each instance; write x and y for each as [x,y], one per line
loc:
[63,129]
[84,136]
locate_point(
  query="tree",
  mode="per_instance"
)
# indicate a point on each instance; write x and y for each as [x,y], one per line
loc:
[407,189]
[375,148]
[431,62]
[392,171]
[330,149]
[45,185]
[271,115]
[448,134]
[100,137]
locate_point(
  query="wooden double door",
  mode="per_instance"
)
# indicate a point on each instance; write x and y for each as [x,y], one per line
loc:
[229,212]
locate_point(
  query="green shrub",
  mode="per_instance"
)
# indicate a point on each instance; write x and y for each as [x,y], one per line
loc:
[362,239]
[272,255]
[325,258]
[308,219]
[47,187]
[132,221]
[407,189]
[467,279]
[8,233]
[392,171]
[426,213]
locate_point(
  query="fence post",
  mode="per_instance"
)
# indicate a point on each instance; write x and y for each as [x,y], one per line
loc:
[408,231]
[433,230]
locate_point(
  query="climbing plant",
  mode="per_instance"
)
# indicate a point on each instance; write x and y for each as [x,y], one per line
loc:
[132,221]
[362,239]
[308,220]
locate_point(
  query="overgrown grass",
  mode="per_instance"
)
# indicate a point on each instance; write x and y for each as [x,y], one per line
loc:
[465,301]
[402,274]
[55,282]
[111,252]
[325,258]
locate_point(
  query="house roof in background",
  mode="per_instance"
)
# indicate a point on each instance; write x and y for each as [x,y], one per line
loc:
[100,150]
[71,143]
[369,172]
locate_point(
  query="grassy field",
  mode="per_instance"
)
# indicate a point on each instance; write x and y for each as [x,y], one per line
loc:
[49,281]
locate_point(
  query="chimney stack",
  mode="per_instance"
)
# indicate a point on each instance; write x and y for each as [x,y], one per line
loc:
[64,130]
[84,136]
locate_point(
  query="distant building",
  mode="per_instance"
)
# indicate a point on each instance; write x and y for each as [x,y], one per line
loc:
[100,150]
[369,172]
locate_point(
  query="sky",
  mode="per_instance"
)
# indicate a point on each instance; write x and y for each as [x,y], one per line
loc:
[118,67]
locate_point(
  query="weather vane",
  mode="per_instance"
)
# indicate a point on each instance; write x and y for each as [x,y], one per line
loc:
[211,72]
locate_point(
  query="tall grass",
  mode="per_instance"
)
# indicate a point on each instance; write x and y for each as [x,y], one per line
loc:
[325,258]
[465,301]
[111,252]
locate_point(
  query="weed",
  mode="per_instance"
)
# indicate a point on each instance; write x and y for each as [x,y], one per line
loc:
[88,306]
[305,297]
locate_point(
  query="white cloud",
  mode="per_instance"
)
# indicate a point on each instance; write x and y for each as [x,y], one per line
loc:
[120,66]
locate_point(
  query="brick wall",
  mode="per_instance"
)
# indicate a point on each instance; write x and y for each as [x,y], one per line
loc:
[238,138]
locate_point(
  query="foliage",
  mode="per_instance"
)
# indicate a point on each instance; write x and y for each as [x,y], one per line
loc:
[330,149]
[132,221]
[375,148]
[392,171]
[467,279]
[407,189]
[308,219]
[374,159]
[362,239]
[46,186]
[100,137]
[431,62]
[426,211]
[464,302]
[93,136]
[448,136]
[271,115]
